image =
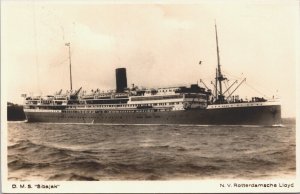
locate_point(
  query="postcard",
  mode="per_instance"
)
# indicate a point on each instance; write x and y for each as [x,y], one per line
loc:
[149,96]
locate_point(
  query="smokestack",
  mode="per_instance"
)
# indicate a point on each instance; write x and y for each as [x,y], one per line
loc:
[121,79]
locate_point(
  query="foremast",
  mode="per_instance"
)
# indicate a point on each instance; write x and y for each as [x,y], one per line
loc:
[70,64]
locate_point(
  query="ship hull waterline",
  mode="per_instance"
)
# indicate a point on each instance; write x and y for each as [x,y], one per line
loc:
[260,115]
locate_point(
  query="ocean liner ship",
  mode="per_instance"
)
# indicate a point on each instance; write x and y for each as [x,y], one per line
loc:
[167,105]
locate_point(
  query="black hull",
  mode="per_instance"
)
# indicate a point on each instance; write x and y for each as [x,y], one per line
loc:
[259,115]
[15,113]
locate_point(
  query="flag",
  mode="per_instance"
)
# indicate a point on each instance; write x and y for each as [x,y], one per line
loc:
[23,95]
[200,62]
[67,44]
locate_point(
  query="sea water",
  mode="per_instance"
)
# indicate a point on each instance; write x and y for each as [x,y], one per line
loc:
[92,152]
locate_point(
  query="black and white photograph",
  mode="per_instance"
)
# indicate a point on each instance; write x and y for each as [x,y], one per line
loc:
[181,96]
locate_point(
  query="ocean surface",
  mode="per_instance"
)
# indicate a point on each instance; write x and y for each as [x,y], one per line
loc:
[91,152]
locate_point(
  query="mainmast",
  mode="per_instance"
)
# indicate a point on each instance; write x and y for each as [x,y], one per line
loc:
[216,85]
[219,75]
[68,44]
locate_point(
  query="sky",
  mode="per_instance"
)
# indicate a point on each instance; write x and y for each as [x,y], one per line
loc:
[160,45]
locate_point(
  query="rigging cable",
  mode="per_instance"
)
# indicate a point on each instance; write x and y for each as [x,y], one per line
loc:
[270,92]
[252,82]
[255,89]
[227,88]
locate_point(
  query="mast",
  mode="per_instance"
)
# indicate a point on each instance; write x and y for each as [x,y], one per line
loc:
[219,75]
[68,44]
[216,85]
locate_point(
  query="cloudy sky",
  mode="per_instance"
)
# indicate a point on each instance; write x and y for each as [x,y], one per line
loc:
[160,44]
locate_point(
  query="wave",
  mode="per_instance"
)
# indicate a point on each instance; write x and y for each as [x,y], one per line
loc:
[39,154]
[86,165]
[21,164]
[199,169]
[278,125]
[23,121]
[259,162]
[163,147]
[27,145]
[22,144]
[276,153]
[71,177]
